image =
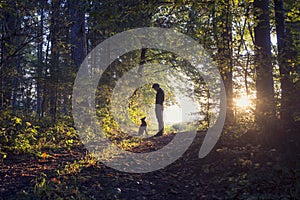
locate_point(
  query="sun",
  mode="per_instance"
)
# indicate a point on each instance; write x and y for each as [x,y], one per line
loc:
[243,102]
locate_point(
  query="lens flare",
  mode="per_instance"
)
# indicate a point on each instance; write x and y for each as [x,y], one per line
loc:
[243,102]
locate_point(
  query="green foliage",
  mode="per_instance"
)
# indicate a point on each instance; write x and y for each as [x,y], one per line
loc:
[17,135]
[22,135]
[107,122]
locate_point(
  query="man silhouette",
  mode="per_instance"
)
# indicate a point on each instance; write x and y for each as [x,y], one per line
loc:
[159,108]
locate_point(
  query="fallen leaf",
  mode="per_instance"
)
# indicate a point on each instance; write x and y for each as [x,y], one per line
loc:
[44,155]
[53,180]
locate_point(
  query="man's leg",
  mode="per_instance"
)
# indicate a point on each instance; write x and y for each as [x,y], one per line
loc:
[159,117]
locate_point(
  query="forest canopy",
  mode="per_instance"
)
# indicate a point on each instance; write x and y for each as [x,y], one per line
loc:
[255,45]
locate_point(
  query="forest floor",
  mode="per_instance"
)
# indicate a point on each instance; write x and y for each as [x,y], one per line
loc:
[233,170]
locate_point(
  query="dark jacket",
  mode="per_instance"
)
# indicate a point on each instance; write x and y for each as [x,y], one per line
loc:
[160,97]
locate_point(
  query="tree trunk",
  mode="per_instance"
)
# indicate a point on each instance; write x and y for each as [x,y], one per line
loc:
[142,61]
[54,61]
[78,38]
[9,25]
[225,55]
[78,35]
[265,103]
[292,58]
[285,79]
[39,69]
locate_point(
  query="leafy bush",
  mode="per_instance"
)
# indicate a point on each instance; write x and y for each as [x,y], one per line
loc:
[25,135]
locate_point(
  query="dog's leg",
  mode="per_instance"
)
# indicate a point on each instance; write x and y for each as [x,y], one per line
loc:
[141,131]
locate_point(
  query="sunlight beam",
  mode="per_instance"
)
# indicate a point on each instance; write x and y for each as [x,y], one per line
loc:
[243,102]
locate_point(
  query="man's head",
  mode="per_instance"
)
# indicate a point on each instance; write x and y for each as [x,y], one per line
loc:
[155,86]
[143,119]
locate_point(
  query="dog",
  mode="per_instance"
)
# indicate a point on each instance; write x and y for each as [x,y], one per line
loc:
[143,127]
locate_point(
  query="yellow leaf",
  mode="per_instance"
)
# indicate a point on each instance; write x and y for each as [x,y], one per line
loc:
[18,120]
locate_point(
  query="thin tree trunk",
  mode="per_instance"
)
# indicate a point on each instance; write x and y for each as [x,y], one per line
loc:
[142,60]
[40,64]
[225,55]
[16,83]
[17,65]
[54,62]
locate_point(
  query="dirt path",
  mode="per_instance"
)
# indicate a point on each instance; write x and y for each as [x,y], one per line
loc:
[229,171]
[19,174]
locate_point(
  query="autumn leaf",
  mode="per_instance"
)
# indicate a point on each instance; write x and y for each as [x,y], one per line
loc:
[44,155]
[53,180]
